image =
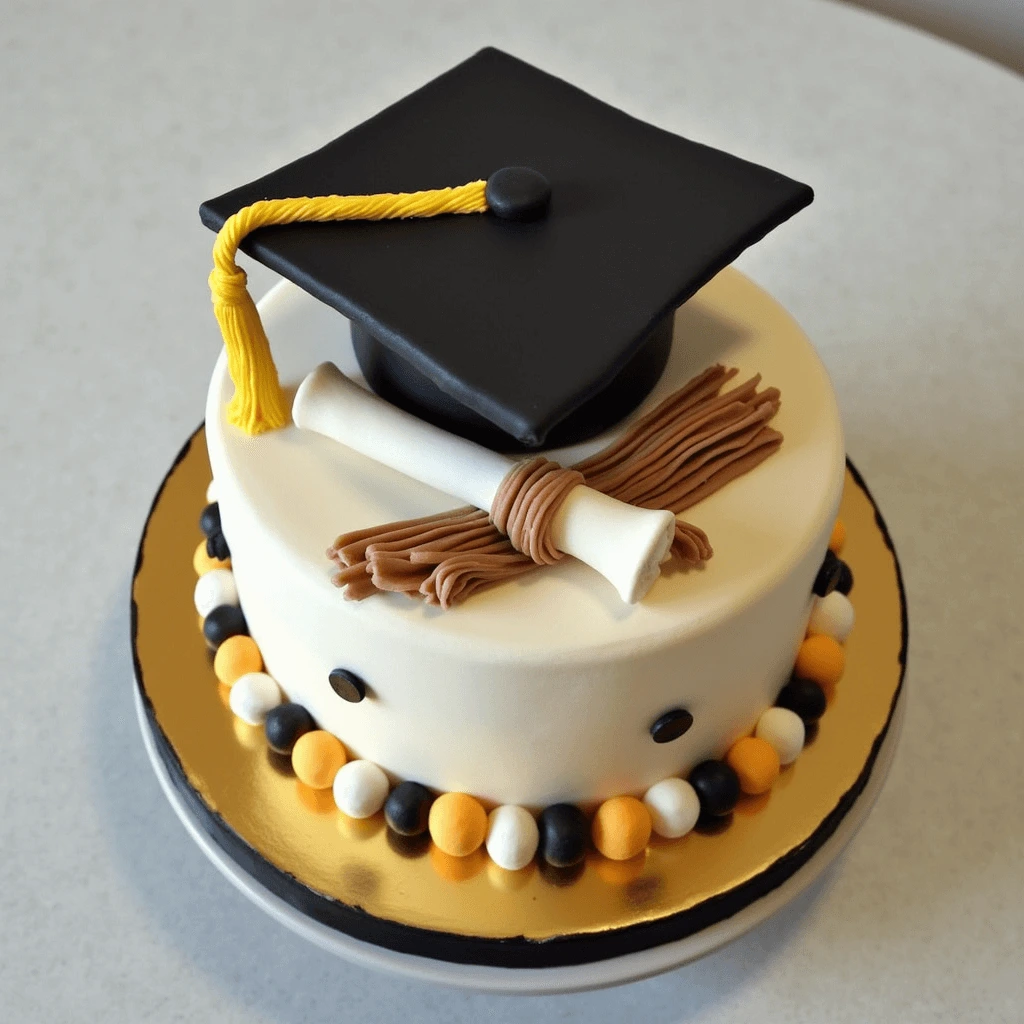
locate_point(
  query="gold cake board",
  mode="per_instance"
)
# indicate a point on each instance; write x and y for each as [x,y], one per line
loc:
[349,887]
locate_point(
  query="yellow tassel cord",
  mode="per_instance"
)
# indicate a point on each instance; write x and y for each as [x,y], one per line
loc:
[258,404]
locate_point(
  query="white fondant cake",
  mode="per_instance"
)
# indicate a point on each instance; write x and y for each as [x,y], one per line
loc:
[543,689]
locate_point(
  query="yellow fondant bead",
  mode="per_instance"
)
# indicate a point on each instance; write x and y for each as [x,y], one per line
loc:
[457,823]
[316,758]
[621,827]
[235,657]
[756,764]
[838,538]
[820,658]
[203,563]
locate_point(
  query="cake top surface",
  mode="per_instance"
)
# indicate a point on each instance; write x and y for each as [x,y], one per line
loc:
[298,490]
[520,321]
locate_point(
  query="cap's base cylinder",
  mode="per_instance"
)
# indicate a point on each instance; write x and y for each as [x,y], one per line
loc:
[399,382]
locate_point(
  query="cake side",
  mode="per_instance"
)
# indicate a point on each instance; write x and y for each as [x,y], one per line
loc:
[543,689]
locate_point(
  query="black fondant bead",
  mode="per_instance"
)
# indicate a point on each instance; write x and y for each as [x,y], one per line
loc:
[563,835]
[845,584]
[347,685]
[224,621]
[285,724]
[804,697]
[518,193]
[407,809]
[671,725]
[217,546]
[717,786]
[209,520]
[828,575]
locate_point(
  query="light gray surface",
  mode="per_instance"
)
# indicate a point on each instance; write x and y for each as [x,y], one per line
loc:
[118,118]
[993,28]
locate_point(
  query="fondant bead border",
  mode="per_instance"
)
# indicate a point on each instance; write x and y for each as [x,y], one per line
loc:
[518,952]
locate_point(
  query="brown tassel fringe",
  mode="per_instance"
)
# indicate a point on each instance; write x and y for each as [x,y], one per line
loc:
[695,442]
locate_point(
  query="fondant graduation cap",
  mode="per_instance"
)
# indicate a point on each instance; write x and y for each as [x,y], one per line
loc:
[546,317]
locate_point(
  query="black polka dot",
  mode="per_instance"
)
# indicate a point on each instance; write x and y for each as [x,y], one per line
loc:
[347,685]
[671,725]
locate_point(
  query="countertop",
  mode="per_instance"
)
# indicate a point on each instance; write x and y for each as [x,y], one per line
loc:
[120,118]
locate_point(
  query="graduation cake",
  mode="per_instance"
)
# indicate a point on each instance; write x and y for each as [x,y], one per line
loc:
[532,549]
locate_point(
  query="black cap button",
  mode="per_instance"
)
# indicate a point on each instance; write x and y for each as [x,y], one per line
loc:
[518,193]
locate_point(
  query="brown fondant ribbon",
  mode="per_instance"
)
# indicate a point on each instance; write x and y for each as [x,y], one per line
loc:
[692,444]
[525,504]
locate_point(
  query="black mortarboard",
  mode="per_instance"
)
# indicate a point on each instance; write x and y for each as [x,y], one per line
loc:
[513,331]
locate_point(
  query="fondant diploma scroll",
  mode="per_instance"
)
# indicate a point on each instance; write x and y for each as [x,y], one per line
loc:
[545,510]
[531,512]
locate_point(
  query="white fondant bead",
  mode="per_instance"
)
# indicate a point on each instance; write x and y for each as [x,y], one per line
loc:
[674,807]
[833,616]
[213,589]
[512,836]
[253,696]
[360,789]
[211,492]
[784,731]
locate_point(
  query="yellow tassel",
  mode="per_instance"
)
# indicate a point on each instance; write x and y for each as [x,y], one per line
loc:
[258,404]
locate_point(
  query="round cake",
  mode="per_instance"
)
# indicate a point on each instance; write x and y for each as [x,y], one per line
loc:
[535,547]
[545,689]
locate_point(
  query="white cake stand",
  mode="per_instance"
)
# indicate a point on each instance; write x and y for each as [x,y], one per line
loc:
[548,980]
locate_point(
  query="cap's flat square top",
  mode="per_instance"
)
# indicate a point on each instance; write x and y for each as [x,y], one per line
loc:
[521,322]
